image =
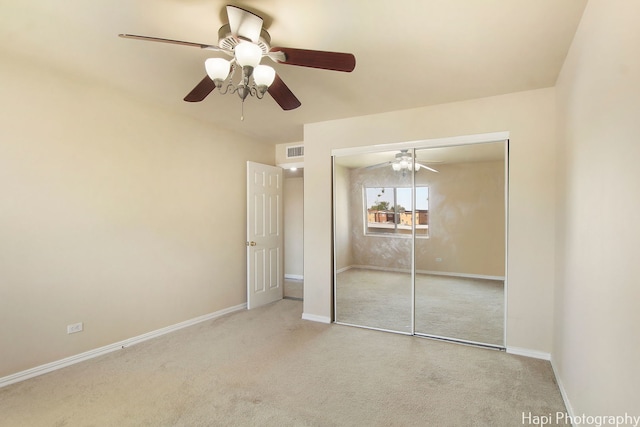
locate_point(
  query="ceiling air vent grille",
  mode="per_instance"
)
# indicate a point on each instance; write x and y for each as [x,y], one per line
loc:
[295,151]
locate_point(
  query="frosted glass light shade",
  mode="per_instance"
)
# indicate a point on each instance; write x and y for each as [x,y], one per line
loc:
[217,68]
[263,75]
[248,54]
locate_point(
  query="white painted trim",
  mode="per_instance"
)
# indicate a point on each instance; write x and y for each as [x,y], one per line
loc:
[316,318]
[294,276]
[424,143]
[434,273]
[506,242]
[563,392]
[342,270]
[465,275]
[49,367]
[518,351]
[378,268]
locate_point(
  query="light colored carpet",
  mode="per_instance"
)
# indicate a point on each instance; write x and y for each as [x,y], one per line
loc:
[267,367]
[293,289]
[452,307]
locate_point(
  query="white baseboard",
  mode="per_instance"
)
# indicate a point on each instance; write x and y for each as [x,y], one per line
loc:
[431,272]
[377,268]
[563,392]
[316,318]
[43,369]
[529,353]
[294,276]
[465,275]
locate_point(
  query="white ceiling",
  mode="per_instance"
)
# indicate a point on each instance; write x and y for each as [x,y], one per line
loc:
[408,54]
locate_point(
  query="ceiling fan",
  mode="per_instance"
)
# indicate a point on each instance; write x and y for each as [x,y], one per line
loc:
[246,42]
[403,162]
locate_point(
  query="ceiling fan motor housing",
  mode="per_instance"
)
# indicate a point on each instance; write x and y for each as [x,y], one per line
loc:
[227,41]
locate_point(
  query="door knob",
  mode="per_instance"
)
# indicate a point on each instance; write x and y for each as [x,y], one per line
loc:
[251,243]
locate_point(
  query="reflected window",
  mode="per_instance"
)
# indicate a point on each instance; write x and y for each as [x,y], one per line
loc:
[391,211]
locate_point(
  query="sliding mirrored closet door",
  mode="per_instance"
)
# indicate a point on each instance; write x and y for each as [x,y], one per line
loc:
[460,266]
[373,246]
[420,241]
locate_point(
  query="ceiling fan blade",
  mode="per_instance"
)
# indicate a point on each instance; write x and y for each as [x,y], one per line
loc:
[201,90]
[178,42]
[281,93]
[379,165]
[426,167]
[244,24]
[336,61]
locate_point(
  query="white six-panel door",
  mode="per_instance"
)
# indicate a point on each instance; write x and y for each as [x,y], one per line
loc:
[265,240]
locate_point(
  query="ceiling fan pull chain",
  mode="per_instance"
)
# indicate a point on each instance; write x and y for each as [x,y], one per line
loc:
[242,111]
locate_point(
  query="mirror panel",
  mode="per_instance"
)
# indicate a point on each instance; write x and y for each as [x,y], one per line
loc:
[373,244]
[460,268]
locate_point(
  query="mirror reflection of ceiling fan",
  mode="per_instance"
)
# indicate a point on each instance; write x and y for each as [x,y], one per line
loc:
[246,42]
[403,162]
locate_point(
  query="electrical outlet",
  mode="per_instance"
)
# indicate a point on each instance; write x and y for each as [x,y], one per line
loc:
[76,327]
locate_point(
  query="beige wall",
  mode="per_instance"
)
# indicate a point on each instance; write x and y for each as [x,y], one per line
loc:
[293,194]
[344,228]
[113,213]
[596,330]
[530,119]
[466,221]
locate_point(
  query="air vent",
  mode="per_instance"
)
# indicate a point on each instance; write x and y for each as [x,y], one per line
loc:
[295,151]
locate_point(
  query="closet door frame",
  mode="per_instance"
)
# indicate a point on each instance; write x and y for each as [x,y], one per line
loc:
[502,136]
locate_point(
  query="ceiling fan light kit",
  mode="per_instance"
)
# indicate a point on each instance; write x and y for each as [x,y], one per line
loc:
[247,54]
[405,166]
[403,163]
[263,76]
[217,69]
[247,42]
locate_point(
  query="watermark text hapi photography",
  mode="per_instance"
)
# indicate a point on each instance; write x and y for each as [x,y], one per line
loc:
[563,418]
